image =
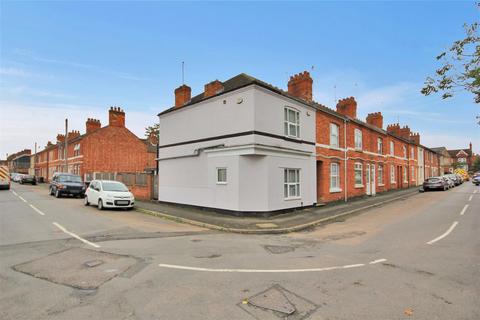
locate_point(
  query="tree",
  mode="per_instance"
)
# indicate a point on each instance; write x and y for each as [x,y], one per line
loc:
[476,164]
[152,129]
[461,67]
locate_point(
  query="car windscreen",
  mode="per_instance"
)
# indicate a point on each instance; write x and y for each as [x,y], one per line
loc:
[67,178]
[114,186]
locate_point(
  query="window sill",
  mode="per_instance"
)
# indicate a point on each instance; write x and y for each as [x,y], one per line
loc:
[292,137]
[381,185]
[335,190]
[222,183]
[292,198]
[335,148]
[358,149]
[393,182]
[359,186]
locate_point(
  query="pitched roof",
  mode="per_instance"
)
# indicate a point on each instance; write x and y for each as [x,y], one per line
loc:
[453,153]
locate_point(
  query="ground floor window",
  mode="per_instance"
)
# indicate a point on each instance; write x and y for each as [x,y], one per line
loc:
[291,186]
[380,174]
[358,174]
[405,173]
[413,173]
[334,177]
[221,175]
[392,174]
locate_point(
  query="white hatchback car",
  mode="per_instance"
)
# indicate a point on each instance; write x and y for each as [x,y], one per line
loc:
[109,194]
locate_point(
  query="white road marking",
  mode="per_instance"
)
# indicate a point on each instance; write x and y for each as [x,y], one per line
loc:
[470,198]
[174,266]
[13,191]
[464,209]
[445,234]
[20,197]
[38,211]
[75,236]
[377,261]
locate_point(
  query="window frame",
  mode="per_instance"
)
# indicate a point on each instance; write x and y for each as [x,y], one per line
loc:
[287,123]
[380,179]
[392,174]
[358,166]
[337,127]
[287,184]
[405,151]
[392,148]
[412,178]
[358,139]
[405,174]
[217,170]
[379,145]
[336,177]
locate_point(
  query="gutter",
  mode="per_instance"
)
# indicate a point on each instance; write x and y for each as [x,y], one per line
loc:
[195,153]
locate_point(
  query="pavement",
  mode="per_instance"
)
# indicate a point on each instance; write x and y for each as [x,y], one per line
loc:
[413,258]
[295,220]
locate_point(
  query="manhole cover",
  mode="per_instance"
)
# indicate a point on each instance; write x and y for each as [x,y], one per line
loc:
[79,268]
[278,303]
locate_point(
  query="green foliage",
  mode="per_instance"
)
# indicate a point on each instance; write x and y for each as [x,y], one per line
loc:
[460,70]
[476,165]
[151,129]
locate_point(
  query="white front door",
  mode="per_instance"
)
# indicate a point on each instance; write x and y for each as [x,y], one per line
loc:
[372,180]
[368,180]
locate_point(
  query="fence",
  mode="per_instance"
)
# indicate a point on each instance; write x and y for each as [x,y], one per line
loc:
[141,184]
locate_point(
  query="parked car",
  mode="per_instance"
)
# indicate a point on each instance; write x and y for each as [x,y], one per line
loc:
[16,177]
[450,182]
[26,178]
[455,179]
[4,178]
[476,180]
[436,183]
[109,194]
[66,184]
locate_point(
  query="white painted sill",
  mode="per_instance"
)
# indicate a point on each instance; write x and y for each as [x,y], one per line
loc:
[222,183]
[292,198]
[359,186]
[381,185]
[335,190]
[393,182]
[335,148]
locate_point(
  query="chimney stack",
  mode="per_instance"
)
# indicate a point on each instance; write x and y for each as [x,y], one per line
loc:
[415,138]
[347,107]
[405,132]
[60,138]
[213,88]
[73,134]
[375,119]
[300,86]
[92,125]
[183,94]
[394,129]
[116,117]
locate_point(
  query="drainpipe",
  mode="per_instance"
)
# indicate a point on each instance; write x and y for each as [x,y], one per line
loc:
[345,158]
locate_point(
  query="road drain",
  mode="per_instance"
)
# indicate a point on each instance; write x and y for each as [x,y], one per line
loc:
[278,303]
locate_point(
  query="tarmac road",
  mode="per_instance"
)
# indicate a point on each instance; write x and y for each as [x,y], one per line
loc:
[413,259]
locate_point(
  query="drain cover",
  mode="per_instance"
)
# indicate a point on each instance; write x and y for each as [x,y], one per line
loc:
[93,263]
[273,299]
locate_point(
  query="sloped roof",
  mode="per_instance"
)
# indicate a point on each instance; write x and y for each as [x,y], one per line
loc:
[453,153]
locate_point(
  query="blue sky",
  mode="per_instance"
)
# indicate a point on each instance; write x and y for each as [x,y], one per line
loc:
[76,59]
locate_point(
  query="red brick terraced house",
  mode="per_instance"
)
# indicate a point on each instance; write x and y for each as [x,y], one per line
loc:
[19,162]
[111,152]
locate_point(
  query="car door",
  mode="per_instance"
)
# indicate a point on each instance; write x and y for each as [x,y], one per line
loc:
[92,192]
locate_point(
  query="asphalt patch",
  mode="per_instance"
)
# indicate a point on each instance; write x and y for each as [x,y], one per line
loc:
[78,267]
[279,249]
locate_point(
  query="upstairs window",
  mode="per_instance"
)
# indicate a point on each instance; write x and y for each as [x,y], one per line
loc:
[334,136]
[76,150]
[412,153]
[404,151]
[392,148]
[380,146]
[291,122]
[291,183]
[358,139]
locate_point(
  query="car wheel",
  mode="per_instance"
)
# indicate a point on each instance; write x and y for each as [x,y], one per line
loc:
[100,204]
[57,194]
[85,201]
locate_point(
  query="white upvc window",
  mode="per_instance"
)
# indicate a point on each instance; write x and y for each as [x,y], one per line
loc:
[392,174]
[221,175]
[412,153]
[358,174]
[380,146]
[334,135]
[291,122]
[392,148]
[76,150]
[358,139]
[462,160]
[413,173]
[291,183]
[380,174]
[335,177]
[405,173]
[404,151]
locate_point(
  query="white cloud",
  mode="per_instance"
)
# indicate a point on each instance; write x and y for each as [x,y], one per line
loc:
[22,91]
[15,72]
[21,125]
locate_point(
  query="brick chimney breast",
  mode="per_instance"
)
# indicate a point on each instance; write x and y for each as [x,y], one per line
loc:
[92,125]
[375,119]
[300,86]
[213,88]
[116,117]
[405,132]
[415,138]
[73,134]
[183,94]
[394,129]
[347,107]
[60,137]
